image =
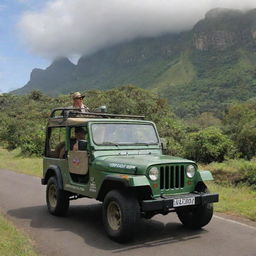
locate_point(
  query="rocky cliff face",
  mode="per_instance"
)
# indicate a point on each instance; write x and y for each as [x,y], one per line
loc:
[224,28]
[253,34]
[219,40]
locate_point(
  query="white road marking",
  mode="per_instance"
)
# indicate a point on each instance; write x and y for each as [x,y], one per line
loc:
[235,222]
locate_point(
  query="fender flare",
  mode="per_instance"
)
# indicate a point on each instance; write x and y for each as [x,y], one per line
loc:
[53,170]
[116,181]
[204,176]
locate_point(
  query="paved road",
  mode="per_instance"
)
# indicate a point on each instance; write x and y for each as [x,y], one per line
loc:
[22,199]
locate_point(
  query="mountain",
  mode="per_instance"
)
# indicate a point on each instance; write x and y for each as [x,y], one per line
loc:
[53,80]
[198,70]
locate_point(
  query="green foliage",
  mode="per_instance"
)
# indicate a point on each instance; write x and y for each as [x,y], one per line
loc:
[23,118]
[234,172]
[220,78]
[209,145]
[240,125]
[174,130]
[192,81]
[246,139]
[204,138]
[32,142]
[11,133]
[130,100]
[204,120]
[248,170]
[36,95]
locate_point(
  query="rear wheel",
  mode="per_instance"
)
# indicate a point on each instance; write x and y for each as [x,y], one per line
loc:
[56,198]
[198,216]
[120,215]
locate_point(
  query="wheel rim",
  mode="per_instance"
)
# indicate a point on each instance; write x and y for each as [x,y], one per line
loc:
[114,215]
[52,195]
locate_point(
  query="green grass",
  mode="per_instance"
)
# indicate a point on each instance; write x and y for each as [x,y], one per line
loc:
[12,160]
[13,242]
[237,201]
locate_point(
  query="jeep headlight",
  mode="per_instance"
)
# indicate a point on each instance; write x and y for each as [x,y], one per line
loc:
[191,170]
[153,173]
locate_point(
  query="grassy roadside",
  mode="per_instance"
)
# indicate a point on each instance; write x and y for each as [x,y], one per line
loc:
[238,201]
[12,160]
[234,200]
[13,242]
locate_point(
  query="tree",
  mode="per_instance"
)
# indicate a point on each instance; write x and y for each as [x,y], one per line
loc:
[240,125]
[209,145]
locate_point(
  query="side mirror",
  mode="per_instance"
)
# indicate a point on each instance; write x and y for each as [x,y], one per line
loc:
[101,109]
[82,145]
[163,144]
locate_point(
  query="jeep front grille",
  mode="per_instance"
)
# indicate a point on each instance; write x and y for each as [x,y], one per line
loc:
[172,176]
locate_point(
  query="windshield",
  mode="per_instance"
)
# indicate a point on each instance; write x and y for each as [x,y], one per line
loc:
[124,134]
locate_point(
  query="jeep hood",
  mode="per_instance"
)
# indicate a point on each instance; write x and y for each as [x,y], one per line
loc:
[135,164]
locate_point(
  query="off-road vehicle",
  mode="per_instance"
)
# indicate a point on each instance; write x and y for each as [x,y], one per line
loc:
[120,162]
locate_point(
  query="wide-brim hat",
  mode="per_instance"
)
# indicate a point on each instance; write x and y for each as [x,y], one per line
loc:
[77,95]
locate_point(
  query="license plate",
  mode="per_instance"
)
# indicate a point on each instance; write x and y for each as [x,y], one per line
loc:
[183,201]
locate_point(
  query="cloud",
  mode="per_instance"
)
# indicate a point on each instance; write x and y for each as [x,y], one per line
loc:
[81,27]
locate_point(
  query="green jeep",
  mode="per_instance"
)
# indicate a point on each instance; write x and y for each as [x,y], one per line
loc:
[119,161]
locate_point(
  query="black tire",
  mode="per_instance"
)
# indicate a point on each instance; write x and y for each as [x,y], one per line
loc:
[57,199]
[121,213]
[198,216]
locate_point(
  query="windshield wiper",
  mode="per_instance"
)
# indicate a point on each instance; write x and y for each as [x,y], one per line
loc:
[144,144]
[109,143]
[141,143]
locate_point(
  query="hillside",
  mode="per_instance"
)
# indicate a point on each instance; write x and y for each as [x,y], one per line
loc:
[199,70]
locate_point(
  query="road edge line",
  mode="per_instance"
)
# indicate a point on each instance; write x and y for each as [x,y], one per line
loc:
[234,221]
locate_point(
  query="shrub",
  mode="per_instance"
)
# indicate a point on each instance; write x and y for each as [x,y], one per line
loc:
[234,171]
[240,125]
[209,145]
[246,139]
[33,142]
[248,170]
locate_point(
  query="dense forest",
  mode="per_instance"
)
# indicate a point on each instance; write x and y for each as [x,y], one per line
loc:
[204,138]
[207,137]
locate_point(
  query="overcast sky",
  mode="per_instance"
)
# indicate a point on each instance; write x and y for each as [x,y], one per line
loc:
[68,27]
[37,31]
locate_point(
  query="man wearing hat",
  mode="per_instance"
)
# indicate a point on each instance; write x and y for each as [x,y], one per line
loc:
[78,102]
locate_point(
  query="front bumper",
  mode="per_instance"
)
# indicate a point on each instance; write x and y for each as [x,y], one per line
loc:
[166,203]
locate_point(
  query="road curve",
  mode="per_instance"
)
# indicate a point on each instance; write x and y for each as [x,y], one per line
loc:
[22,199]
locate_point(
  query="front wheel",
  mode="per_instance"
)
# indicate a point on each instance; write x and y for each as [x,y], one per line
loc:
[196,217]
[120,215]
[57,199]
